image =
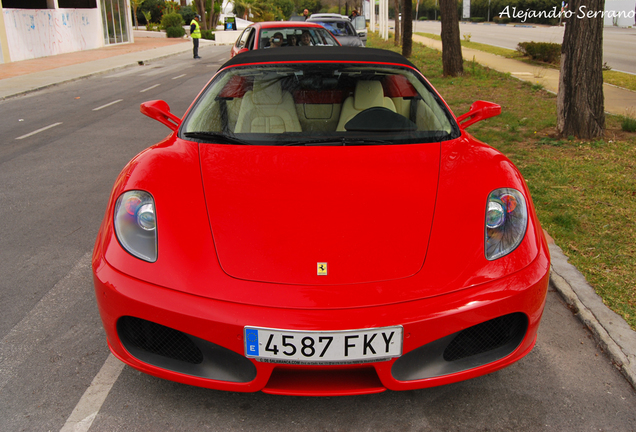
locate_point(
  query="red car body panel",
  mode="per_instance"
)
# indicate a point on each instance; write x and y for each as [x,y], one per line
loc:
[424,321]
[299,206]
[241,229]
[186,243]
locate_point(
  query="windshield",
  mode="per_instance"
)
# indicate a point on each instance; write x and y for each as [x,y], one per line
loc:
[338,28]
[318,104]
[294,36]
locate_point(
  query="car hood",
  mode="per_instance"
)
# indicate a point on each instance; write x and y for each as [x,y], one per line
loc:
[277,214]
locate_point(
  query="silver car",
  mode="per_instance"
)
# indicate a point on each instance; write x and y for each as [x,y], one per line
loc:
[348,32]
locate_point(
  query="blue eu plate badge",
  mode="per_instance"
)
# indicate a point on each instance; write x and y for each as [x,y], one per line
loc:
[251,341]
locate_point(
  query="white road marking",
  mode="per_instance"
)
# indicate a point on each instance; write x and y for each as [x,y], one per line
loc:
[90,403]
[26,336]
[16,347]
[38,131]
[149,88]
[107,105]
[179,76]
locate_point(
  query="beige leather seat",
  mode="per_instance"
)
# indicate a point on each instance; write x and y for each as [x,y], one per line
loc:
[267,109]
[368,94]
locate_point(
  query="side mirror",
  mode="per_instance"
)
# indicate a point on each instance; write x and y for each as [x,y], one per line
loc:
[360,23]
[160,111]
[479,111]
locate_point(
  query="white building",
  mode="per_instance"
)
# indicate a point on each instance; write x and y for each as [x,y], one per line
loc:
[39,28]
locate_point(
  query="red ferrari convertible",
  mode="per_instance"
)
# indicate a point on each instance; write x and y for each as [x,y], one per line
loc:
[320,223]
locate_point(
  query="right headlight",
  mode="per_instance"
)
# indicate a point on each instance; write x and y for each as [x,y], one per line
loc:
[136,224]
[506,222]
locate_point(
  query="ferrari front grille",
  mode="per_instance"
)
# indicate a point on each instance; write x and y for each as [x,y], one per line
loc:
[472,347]
[173,350]
[157,339]
[486,336]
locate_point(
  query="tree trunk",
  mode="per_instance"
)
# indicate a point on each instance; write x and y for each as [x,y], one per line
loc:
[201,11]
[402,2]
[213,18]
[452,61]
[407,34]
[135,15]
[580,102]
[396,8]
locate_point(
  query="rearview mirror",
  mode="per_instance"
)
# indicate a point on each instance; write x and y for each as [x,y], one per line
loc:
[160,111]
[479,111]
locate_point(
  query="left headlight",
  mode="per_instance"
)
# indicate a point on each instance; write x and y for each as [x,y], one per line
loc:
[136,224]
[506,222]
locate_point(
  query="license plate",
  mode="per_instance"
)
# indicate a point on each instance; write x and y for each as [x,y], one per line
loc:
[323,347]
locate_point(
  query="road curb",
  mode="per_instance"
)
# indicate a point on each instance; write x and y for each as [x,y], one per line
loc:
[610,330]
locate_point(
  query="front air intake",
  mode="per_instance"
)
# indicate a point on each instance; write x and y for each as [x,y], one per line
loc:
[174,350]
[157,339]
[472,347]
[486,336]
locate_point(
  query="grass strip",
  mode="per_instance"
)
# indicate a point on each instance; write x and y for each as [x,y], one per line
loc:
[584,191]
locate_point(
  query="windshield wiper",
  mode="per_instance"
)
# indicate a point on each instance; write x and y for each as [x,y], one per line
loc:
[339,142]
[215,137]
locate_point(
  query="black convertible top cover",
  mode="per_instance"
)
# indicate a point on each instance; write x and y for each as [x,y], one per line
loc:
[307,54]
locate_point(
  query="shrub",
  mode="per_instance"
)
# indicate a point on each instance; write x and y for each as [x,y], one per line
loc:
[207,34]
[477,19]
[502,20]
[171,20]
[175,32]
[541,51]
[628,124]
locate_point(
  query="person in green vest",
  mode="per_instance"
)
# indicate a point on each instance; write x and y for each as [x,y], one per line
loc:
[195,33]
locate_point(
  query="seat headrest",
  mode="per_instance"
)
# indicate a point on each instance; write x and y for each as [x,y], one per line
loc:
[368,94]
[267,92]
[398,86]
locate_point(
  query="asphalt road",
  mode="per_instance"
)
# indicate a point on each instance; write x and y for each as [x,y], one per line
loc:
[619,44]
[61,151]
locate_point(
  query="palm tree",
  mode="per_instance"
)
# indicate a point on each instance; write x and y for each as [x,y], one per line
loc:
[135,4]
[243,8]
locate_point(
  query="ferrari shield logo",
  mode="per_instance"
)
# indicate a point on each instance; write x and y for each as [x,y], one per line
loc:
[322,269]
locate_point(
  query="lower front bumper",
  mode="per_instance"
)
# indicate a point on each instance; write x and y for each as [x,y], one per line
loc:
[200,341]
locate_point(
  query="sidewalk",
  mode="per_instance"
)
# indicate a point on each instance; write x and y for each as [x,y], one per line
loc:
[25,76]
[613,334]
[617,100]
